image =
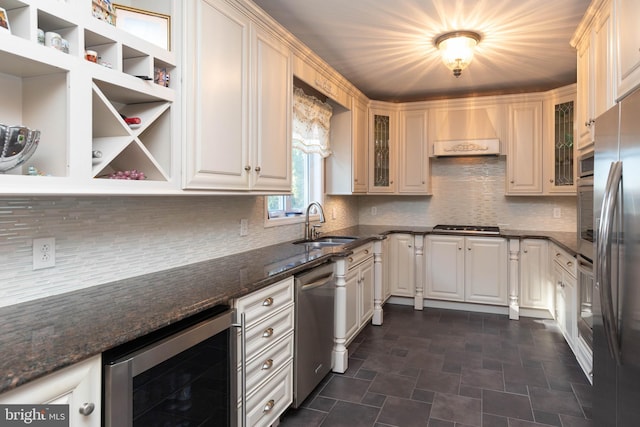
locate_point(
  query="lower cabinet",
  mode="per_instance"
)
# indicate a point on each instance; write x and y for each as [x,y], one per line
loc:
[268,362]
[359,285]
[535,290]
[401,265]
[78,386]
[563,276]
[469,269]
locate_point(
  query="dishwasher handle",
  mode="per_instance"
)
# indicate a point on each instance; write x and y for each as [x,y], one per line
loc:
[320,281]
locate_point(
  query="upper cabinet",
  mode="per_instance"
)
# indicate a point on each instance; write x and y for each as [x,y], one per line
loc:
[383,146]
[524,157]
[93,98]
[628,37]
[559,172]
[596,67]
[413,171]
[238,102]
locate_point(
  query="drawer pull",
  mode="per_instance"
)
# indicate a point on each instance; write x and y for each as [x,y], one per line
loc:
[86,408]
[269,406]
[267,333]
[350,259]
[366,251]
[267,364]
[267,302]
[569,264]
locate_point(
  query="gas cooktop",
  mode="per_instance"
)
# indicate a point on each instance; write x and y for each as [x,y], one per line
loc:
[467,229]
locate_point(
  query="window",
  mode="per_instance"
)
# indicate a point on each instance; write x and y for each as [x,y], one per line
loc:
[311,121]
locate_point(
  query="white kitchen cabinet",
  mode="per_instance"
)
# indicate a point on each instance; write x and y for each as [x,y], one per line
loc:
[238,103]
[383,149]
[78,105]
[485,270]
[445,267]
[413,170]
[563,275]
[596,68]
[535,291]
[628,46]
[346,168]
[469,269]
[401,264]
[524,157]
[268,339]
[359,284]
[559,165]
[78,386]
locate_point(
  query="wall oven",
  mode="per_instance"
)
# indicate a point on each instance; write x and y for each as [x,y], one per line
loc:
[181,375]
[586,225]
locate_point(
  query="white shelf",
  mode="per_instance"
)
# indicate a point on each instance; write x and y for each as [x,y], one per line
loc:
[77,104]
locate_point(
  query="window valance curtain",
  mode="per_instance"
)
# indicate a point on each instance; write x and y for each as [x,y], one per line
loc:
[311,124]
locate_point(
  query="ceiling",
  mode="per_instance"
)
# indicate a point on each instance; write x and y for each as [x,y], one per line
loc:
[385,47]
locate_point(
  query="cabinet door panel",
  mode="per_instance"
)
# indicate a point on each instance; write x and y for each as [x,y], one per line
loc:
[414,160]
[486,270]
[217,152]
[627,12]
[366,283]
[353,314]
[402,265]
[534,285]
[272,137]
[524,160]
[360,143]
[445,271]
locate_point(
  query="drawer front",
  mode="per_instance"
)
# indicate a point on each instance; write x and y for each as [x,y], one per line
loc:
[359,255]
[566,261]
[267,332]
[265,302]
[266,364]
[270,401]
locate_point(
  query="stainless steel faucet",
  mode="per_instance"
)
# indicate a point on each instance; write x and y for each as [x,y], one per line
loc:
[312,234]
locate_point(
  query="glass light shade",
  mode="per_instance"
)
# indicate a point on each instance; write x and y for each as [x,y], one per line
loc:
[456,50]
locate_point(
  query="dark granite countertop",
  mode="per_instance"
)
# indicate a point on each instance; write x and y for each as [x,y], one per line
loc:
[45,335]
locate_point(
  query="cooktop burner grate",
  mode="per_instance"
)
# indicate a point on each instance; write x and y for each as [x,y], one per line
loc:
[478,229]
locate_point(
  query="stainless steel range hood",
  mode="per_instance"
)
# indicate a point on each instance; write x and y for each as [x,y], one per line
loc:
[473,147]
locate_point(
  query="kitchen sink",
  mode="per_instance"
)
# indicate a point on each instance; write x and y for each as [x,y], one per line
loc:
[322,242]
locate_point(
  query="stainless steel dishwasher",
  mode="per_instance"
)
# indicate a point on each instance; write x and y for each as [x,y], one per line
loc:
[314,299]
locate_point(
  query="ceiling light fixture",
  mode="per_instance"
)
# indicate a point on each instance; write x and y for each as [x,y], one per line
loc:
[456,49]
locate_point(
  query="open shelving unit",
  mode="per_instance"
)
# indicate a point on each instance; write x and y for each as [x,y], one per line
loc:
[79,105]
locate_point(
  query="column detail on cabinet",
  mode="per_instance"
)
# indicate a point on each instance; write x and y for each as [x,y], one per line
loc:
[354,304]
[378,294]
[418,299]
[514,279]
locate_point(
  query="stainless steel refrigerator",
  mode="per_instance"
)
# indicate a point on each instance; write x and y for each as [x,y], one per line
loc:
[616,302]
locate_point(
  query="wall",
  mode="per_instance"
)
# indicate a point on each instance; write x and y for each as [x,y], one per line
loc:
[470,190]
[102,239]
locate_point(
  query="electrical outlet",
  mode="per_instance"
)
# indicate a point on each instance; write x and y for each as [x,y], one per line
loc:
[244,227]
[44,253]
[374,211]
[557,212]
[334,214]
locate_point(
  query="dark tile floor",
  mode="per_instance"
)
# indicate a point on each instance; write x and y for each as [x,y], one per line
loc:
[445,368]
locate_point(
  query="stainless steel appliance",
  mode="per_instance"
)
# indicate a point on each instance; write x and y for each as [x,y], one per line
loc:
[466,229]
[585,207]
[585,294]
[314,329]
[616,302]
[183,374]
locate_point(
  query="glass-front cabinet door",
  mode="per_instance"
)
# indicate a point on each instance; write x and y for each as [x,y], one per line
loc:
[382,151]
[560,174]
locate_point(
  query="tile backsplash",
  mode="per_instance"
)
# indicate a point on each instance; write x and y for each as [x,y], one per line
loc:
[102,239]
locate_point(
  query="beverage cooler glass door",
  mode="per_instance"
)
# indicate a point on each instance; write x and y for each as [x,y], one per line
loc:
[183,379]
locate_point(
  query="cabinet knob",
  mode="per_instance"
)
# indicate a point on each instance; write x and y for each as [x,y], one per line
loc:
[86,408]
[469,248]
[390,182]
[525,251]
[551,180]
[459,248]
[257,169]
[267,333]
[269,406]
[350,259]
[267,302]
[512,181]
[569,264]
[247,168]
[267,364]
[366,251]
